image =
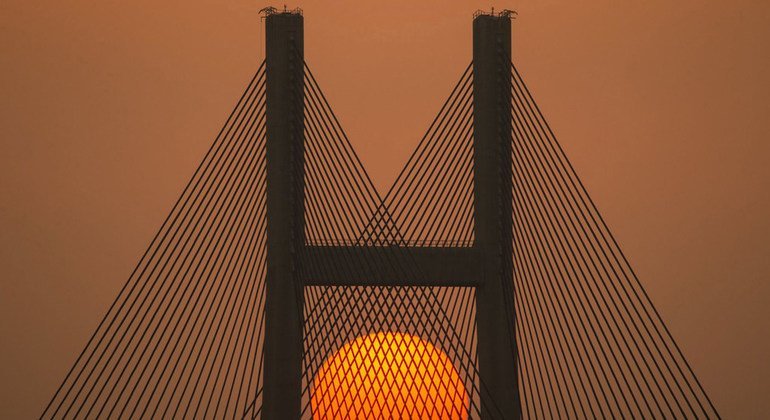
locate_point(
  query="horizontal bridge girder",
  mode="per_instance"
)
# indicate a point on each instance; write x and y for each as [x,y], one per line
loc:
[350,265]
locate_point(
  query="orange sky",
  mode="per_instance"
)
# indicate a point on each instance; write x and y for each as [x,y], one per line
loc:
[107,107]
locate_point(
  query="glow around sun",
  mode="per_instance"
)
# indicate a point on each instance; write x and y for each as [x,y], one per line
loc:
[390,375]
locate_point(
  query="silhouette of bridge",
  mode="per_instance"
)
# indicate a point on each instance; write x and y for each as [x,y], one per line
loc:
[280,252]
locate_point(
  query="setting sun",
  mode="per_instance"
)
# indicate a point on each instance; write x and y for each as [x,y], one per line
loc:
[391,375]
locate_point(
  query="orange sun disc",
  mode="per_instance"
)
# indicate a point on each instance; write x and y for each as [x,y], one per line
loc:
[390,375]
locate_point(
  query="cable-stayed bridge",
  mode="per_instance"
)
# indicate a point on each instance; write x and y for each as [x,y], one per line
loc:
[483,284]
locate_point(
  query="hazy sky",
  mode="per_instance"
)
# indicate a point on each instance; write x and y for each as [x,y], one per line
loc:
[106,108]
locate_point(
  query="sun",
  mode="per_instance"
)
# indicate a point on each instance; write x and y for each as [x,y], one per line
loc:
[390,375]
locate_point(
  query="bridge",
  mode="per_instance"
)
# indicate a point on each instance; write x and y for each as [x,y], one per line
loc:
[483,284]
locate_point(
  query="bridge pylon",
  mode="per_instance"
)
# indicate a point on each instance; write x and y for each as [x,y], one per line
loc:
[285,214]
[486,265]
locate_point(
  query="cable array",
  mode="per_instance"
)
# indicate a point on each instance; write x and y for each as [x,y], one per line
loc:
[431,201]
[591,343]
[184,336]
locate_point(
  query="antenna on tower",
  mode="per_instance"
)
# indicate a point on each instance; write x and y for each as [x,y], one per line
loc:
[267,11]
[508,13]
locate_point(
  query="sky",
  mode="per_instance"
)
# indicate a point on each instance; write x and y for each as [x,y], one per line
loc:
[107,107]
